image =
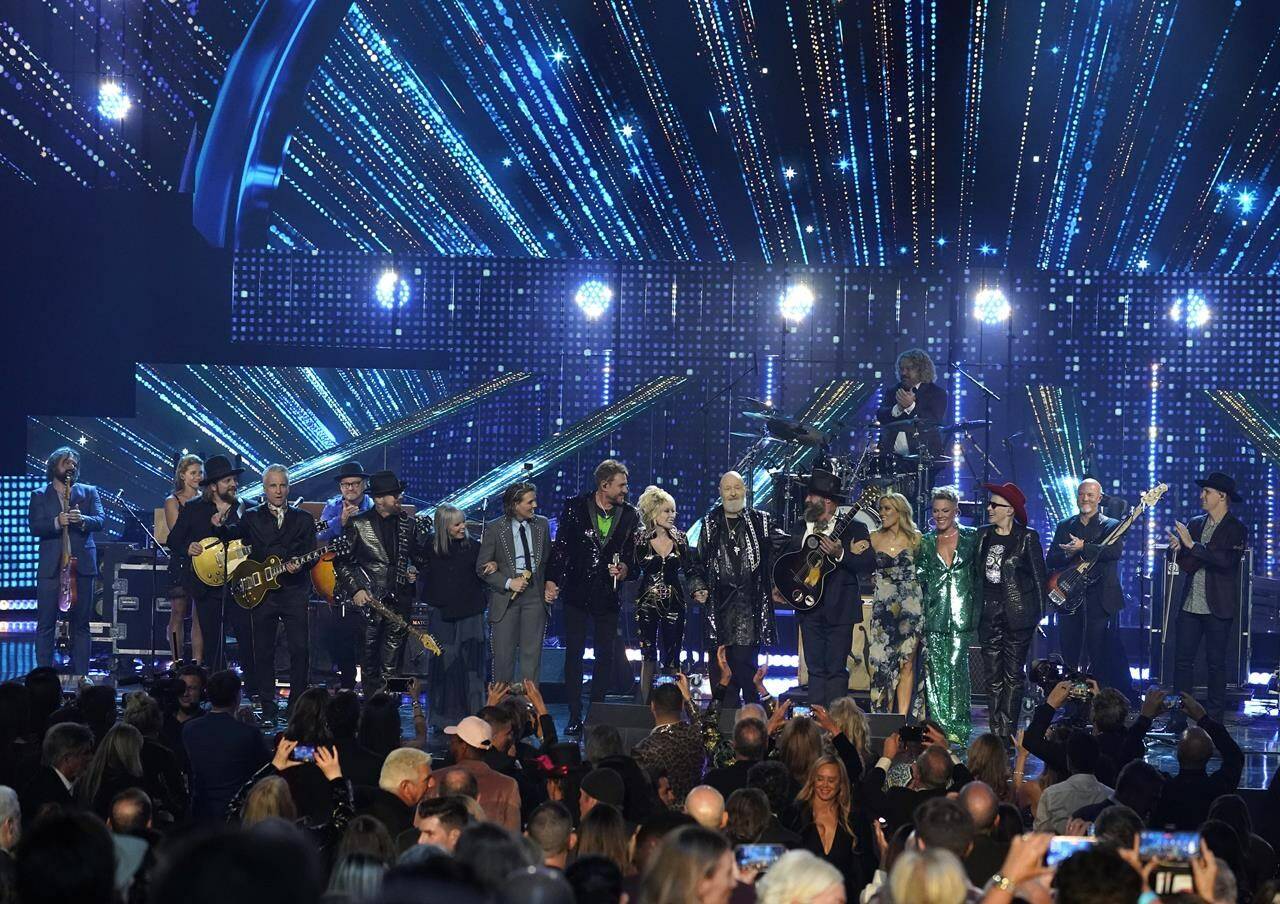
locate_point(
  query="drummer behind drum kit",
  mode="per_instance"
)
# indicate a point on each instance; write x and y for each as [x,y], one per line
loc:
[872,469]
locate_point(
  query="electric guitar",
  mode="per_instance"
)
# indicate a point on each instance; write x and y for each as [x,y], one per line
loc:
[217,560]
[800,575]
[428,642]
[1067,587]
[67,584]
[252,581]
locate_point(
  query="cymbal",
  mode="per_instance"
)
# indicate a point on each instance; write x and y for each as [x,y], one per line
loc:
[963,425]
[896,422]
[762,406]
[742,434]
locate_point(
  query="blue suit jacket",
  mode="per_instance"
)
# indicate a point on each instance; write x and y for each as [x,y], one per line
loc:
[224,754]
[41,515]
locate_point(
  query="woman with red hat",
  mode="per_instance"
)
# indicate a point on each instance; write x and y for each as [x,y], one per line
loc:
[1011,573]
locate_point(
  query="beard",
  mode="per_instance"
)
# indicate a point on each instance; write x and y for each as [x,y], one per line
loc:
[815,511]
[734,506]
[229,496]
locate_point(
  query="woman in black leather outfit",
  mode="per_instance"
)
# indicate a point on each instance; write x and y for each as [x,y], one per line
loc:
[662,556]
[1010,571]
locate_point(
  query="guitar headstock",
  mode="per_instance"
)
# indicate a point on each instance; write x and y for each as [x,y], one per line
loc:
[1152,496]
[869,499]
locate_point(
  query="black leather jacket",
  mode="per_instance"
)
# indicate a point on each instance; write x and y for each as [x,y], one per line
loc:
[1022,575]
[368,567]
[579,563]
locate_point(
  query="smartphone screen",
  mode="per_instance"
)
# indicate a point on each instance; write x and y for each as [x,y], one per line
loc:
[660,680]
[1063,846]
[1168,845]
[758,856]
[399,685]
[801,709]
[303,754]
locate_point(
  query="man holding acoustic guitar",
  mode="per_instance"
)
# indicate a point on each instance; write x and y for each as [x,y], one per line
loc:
[63,517]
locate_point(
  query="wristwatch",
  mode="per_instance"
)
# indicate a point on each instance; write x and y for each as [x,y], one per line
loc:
[1002,882]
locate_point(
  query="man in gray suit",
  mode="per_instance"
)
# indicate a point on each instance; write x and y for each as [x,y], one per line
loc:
[513,563]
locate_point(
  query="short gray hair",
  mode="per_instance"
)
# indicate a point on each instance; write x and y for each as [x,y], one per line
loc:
[63,740]
[951,494]
[401,765]
[281,468]
[9,806]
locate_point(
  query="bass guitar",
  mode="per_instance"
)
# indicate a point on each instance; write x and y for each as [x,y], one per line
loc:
[799,576]
[1067,587]
[252,581]
[67,584]
[428,642]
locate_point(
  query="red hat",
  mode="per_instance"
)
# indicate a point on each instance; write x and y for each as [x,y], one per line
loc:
[1011,494]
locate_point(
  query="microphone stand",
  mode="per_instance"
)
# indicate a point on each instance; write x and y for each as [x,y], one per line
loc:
[989,397]
[148,670]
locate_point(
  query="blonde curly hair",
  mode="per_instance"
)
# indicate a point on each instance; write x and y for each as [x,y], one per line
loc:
[651,501]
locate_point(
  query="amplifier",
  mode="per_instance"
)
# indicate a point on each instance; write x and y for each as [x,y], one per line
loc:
[135,599]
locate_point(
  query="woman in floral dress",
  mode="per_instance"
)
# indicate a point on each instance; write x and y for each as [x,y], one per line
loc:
[896,611]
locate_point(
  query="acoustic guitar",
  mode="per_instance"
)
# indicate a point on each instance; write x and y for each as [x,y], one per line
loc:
[799,576]
[1067,587]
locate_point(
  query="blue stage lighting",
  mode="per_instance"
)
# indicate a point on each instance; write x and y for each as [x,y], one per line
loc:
[592,298]
[391,291]
[1245,200]
[113,102]
[1194,308]
[991,306]
[796,303]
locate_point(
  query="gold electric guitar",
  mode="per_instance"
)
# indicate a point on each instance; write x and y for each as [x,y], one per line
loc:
[251,581]
[217,560]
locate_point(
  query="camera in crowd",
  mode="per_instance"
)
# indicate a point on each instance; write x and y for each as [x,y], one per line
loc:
[1046,674]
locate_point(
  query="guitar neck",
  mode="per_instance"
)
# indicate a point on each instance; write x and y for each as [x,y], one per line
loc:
[1124,525]
[310,557]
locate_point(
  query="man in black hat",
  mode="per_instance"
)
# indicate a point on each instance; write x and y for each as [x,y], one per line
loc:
[387,548]
[344,628]
[590,558]
[215,514]
[1208,551]
[827,628]
[276,528]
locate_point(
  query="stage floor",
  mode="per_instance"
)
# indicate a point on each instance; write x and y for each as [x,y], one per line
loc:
[1255,727]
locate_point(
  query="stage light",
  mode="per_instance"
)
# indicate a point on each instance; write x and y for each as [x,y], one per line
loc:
[506,161]
[991,306]
[628,130]
[986,250]
[1245,200]
[558,56]
[1193,310]
[592,298]
[796,303]
[113,103]
[1143,264]
[391,291]
[789,173]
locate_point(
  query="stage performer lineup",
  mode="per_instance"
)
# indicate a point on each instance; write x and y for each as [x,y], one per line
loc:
[881,531]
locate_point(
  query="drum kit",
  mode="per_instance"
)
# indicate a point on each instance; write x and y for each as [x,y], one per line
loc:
[869,467]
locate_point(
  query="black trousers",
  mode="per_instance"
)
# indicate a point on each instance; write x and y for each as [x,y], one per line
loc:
[827,632]
[344,636]
[604,633]
[383,644]
[659,638]
[210,606]
[288,607]
[1215,632]
[1086,629]
[742,665]
[1004,653]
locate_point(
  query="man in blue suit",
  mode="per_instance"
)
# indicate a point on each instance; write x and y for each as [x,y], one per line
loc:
[75,507]
[224,752]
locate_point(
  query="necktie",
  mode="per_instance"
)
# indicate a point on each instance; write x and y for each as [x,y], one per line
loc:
[279,513]
[524,547]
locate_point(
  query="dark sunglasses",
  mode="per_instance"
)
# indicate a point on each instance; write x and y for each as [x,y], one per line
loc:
[998,505]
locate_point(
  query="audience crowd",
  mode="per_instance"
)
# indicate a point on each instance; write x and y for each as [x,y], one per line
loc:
[177,794]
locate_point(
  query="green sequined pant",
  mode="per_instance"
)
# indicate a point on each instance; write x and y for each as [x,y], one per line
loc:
[946,682]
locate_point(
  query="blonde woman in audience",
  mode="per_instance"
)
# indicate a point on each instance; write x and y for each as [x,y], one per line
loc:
[852,722]
[933,876]
[799,877]
[691,864]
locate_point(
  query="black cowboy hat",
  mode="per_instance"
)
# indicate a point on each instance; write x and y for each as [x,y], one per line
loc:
[1223,483]
[385,483]
[351,468]
[824,483]
[217,467]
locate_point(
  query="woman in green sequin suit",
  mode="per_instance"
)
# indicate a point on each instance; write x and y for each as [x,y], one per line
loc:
[951,608]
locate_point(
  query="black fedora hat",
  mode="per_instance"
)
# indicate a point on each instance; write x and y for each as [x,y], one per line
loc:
[824,483]
[1223,483]
[217,467]
[385,483]
[351,468]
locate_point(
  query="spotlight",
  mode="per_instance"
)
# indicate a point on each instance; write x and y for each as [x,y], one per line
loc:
[991,306]
[113,103]
[1194,308]
[796,303]
[391,291]
[592,298]
[1245,200]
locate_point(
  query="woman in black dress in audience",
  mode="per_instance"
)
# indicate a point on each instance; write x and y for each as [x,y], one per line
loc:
[830,828]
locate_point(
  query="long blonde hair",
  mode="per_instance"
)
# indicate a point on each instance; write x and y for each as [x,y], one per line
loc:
[933,876]
[120,748]
[844,796]
[906,520]
[852,721]
[684,858]
[185,462]
[268,797]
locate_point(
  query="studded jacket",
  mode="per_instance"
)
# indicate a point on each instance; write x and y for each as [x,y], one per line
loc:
[368,565]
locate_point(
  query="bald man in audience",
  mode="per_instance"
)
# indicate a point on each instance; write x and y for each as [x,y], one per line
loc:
[706,805]
[987,854]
